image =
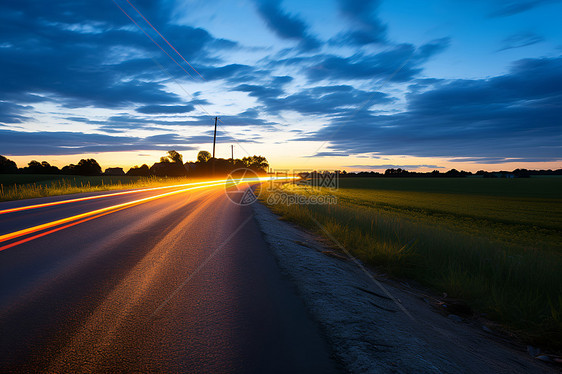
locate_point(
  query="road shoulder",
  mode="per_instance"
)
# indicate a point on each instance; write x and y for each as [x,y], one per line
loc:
[369,331]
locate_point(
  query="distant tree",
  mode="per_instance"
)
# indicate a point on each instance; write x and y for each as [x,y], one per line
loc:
[142,171]
[521,173]
[203,156]
[88,167]
[50,169]
[257,163]
[68,169]
[168,169]
[453,172]
[175,157]
[164,160]
[36,167]
[7,166]
[85,167]
[114,171]
[396,172]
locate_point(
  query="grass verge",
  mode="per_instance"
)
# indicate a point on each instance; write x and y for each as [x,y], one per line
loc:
[501,254]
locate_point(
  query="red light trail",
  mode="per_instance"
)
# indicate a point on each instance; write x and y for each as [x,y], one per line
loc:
[83,217]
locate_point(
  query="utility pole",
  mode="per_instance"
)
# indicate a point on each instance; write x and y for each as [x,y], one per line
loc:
[232,152]
[215,136]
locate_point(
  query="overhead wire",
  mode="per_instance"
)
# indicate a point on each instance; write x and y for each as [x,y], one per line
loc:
[150,37]
[176,62]
[202,108]
[166,40]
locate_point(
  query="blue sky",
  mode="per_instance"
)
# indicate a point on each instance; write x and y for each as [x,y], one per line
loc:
[339,84]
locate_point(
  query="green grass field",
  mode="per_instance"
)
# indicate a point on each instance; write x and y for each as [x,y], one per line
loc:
[495,243]
[27,186]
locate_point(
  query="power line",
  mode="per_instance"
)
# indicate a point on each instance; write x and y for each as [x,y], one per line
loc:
[165,70]
[166,40]
[154,41]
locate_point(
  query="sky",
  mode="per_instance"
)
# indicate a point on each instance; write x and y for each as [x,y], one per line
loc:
[314,84]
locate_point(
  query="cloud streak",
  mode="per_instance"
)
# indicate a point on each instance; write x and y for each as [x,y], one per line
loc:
[516,115]
[512,7]
[286,25]
[520,40]
[15,143]
[366,27]
[392,166]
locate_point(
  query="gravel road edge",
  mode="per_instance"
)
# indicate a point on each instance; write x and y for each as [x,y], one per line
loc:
[368,331]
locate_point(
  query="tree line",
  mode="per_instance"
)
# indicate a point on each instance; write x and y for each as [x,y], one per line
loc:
[84,167]
[453,173]
[170,165]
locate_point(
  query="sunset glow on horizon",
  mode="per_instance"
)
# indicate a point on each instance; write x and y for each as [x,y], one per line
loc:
[337,85]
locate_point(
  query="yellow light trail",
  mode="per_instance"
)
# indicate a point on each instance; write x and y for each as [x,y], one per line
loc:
[18,209]
[36,206]
[83,217]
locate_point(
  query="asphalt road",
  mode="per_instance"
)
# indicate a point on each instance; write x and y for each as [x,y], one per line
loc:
[183,283]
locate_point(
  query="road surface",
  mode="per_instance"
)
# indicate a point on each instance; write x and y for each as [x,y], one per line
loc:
[181,283]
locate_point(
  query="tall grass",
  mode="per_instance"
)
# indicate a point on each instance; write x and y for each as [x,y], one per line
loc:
[79,184]
[516,284]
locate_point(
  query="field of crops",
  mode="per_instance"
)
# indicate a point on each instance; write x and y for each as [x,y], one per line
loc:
[495,243]
[27,186]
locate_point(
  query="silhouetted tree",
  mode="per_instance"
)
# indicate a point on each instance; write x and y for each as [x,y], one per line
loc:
[168,169]
[114,171]
[85,167]
[256,163]
[175,156]
[36,167]
[7,166]
[203,156]
[142,171]
[164,160]
[521,173]
[453,173]
[396,172]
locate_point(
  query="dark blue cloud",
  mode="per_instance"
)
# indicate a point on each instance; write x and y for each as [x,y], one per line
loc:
[281,81]
[397,63]
[328,154]
[367,28]
[516,115]
[499,160]
[15,143]
[124,122]
[233,73]
[511,7]
[322,100]
[392,166]
[165,109]
[260,91]
[12,113]
[286,25]
[520,40]
[79,53]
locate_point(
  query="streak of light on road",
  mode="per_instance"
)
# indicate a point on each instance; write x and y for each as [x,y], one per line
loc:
[18,209]
[83,217]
